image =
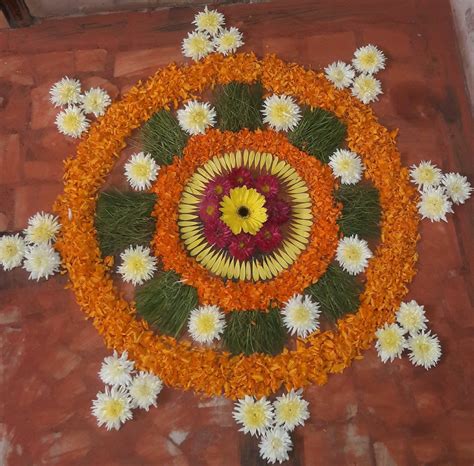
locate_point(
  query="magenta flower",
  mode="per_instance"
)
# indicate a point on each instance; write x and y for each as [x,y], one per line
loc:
[219,187]
[278,211]
[268,238]
[240,177]
[242,246]
[209,209]
[267,185]
[217,233]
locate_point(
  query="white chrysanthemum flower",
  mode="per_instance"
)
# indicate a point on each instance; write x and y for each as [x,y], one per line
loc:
[228,41]
[138,265]
[112,407]
[368,59]
[347,166]
[281,112]
[41,261]
[95,101]
[390,342]
[12,251]
[301,315]
[411,316]
[141,170]
[434,204]
[196,117]
[197,45]
[116,370]
[424,349]
[72,122]
[42,228]
[340,74]
[425,174]
[366,88]
[65,92]
[275,445]
[291,410]
[457,187]
[144,389]
[255,416]
[206,323]
[210,21]
[353,254]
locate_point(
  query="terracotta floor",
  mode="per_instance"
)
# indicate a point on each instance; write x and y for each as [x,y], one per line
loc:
[379,414]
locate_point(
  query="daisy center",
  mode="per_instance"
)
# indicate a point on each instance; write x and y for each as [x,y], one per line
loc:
[427,175]
[369,59]
[10,251]
[423,348]
[289,411]
[68,92]
[113,409]
[301,315]
[353,253]
[141,170]
[345,165]
[277,444]
[435,205]
[255,416]
[228,41]
[136,264]
[71,122]
[219,189]
[243,211]
[367,85]
[280,112]
[198,117]
[206,324]
[144,390]
[200,44]
[390,340]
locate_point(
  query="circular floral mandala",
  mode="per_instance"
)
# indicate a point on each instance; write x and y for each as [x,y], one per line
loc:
[209,370]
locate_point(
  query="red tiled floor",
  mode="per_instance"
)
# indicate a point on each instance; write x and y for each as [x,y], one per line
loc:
[372,414]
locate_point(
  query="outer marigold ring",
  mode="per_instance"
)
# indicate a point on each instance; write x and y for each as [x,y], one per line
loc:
[204,370]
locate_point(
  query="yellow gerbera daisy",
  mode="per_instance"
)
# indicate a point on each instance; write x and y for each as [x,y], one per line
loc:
[243,210]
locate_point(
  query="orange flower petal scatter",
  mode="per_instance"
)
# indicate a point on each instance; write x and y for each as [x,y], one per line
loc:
[241,295]
[206,370]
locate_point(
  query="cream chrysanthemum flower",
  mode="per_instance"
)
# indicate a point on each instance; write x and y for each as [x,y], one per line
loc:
[197,45]
[434,204]
[116,370]
[301,315]
[12,251]
[275,445]
[366,88]
[72,122]
[228,41]
[95,101]
[411,316]
[255,416]
[424,349]
[206,323]
[141,170]
[457,187]
[210,21]
[291,410]
[353,254]
[390,342]
[368,59]
[41,261]
[347,166]
[196,117]
[425,174]
[112,407]
[65,92]
[281,112]
[138,265]
[340,74]
[144,389]
[42,228]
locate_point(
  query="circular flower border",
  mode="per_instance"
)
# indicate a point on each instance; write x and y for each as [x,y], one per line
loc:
[205,370]
[242,295]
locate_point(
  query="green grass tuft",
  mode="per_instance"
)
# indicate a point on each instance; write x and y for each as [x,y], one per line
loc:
[122,219]
[250,332]
[361,212]
[238,106]
[165,303]
[319,133]
[337,292]
[162,137]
